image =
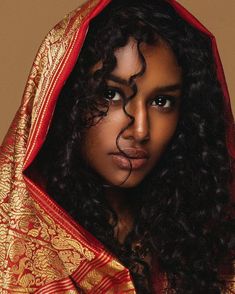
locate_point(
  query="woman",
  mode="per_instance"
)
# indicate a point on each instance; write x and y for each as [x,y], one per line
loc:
[117,172]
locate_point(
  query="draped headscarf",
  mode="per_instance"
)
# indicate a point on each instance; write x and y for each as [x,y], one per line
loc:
[42,249]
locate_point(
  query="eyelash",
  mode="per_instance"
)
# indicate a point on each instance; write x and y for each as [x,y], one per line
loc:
[161,98]
[114,90]
[171,100]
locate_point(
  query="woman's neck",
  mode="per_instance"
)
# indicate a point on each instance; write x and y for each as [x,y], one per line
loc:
[121,202]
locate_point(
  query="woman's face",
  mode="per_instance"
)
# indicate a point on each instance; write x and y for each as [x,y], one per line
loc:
[155,108]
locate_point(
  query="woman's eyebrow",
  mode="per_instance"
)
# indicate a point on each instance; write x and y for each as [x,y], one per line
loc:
[165,88]
[118,80]
[168,88]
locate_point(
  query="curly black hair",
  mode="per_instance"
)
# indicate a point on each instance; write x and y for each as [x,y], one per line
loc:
[184,218]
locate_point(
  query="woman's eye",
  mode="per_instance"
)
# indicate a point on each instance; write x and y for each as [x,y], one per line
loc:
[164,102]
[112,94]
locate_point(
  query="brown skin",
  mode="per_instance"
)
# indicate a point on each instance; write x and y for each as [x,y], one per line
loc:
[154,124]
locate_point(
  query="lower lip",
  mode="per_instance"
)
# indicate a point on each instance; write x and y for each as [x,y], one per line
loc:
[124,163]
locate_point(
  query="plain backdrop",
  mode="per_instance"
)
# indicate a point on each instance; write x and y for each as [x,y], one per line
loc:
[24,23]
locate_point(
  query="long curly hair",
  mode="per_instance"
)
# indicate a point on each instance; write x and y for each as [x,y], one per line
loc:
[184,218]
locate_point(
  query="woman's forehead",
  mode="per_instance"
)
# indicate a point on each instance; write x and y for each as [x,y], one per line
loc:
[128,60]
[159,58]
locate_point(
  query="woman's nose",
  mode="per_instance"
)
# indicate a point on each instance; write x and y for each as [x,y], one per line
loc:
[139,130]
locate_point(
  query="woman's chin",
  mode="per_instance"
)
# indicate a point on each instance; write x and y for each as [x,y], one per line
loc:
[124,182]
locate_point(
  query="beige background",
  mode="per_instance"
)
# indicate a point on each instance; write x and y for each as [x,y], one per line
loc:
[24,23]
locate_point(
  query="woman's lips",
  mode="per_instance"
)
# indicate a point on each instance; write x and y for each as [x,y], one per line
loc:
[135,158]
[124,163]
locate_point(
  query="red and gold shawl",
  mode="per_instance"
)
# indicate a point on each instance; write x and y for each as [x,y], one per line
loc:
[42,250]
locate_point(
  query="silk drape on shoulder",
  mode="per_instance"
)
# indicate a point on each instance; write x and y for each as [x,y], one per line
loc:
[42,250]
